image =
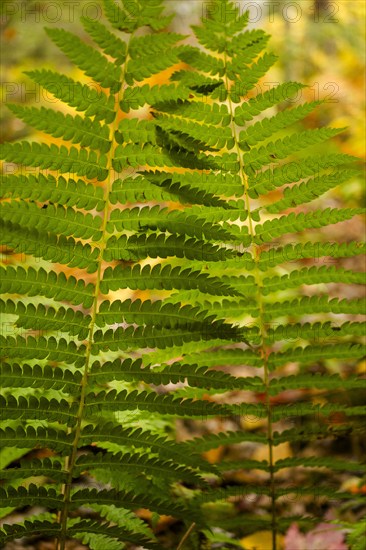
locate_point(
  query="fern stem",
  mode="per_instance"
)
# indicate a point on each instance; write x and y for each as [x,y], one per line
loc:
[70,460]
[186,535]
[262,323]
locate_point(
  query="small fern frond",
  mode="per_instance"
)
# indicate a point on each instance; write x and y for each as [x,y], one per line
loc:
[256,105]
[80,96]
[42,318]
[58,249]
[33,282]
[47,377]
[313,353]
[87,59]
[293,223]
[41,348]
[52,157]
[48,188]
[163,277]
[86,132]
[64,220]
[311,276]
[109,43]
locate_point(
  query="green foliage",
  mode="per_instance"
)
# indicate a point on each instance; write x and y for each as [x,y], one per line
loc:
[91,370]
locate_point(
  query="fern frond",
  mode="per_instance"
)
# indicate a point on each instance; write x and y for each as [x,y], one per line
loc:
[88,59]
[315,250]
[42,318]
[138,96]
[212,441]
[207,135]
[262,130]
[139,189]
[198,111]
[157,314]
[282,148]
[196,376]
[80,96]
[140,439]
[161,218]
[202,61]
[153,156]
[233,357]
[104,535]
[36,467]
[292,223]
[57,219]
[63,250]
[319,381]
[86,132]
[245,47]
[310,409]
[137,465]
[270,179]
[318,462]
[247,110]
[149,336]
[47,188]
[313,331]
[193,184]
[52,157]
[248,77]
[153,44]
[40,409]
[29,528]
[175,182]
[136,131]
[314,304]
[58,440]
[111,44]
[162,277]
[310,354]
[50,284]
[42,348]
[139,247]
[47,377]
[130,501]
[310,276]
[144,66]
[31,496]
[309,190]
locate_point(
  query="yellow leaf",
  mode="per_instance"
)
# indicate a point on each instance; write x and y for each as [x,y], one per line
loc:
[262,540]
[279,452]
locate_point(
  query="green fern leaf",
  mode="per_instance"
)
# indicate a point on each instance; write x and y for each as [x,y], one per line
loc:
[256,105]
[65,221]
[298,222]
[47,377]
[42,348]
[40,317]
[291,172]
[86,132]
[52,157]
[61,191]
[50,247]
[34,282]
[87,58]
[108,41]
[80,96]
[162,277]
[311,276]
